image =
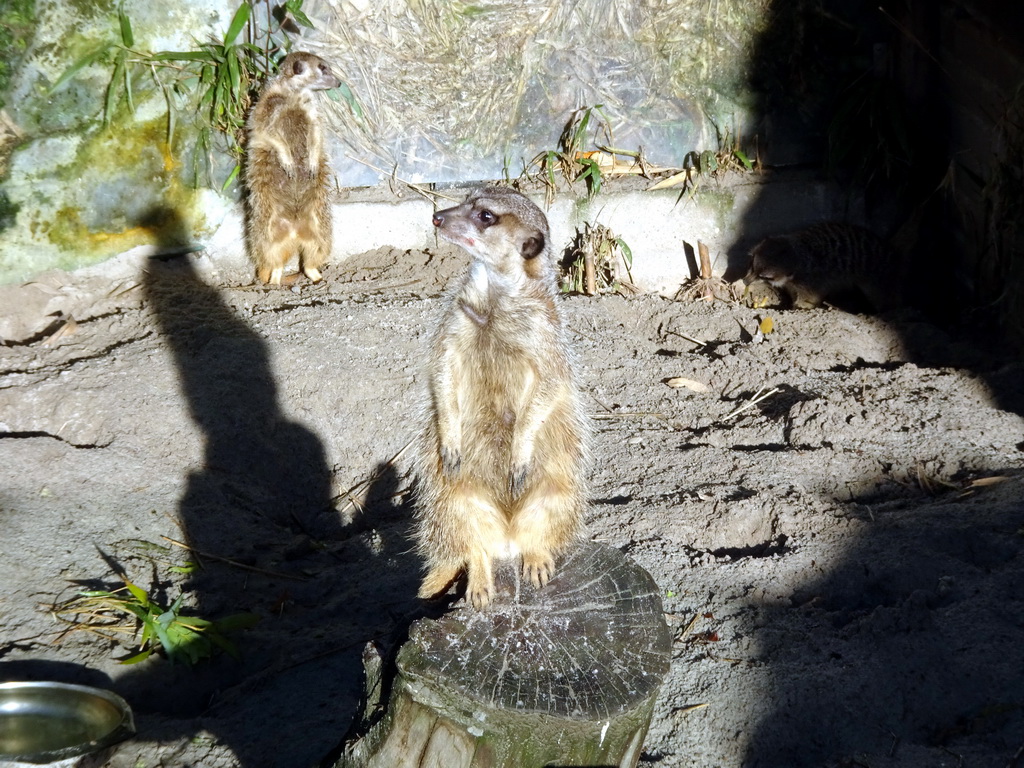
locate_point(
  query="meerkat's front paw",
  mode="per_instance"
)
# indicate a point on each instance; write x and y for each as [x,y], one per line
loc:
[538,567]
[760,294]
[451,461]
[517,480]
[313,274]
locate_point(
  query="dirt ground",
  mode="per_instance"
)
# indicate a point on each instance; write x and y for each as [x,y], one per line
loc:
[833,511]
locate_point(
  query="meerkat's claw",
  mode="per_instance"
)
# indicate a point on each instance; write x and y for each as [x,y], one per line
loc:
[451,462]
[479,595]
[517,480]
[538,568]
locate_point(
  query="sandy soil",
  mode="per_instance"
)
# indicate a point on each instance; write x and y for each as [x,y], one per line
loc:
[836,523]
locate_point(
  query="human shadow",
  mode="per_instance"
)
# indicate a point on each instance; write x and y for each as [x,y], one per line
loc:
[257,515]
[892,668]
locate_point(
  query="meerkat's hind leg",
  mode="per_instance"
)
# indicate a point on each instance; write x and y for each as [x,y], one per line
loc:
[538,567]
[314,256]
[546,522]
[273,258]
[479,579]
[270,275]
[438,579]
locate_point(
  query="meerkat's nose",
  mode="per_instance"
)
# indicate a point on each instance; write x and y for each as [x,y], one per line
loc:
[438,219]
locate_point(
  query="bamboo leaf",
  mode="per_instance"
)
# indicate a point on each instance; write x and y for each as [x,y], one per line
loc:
[231,177]
[236,80]
[349,97]
[203,55]
[138,593]
[239,21]
[237,621]
[627,253]
[581,131]
[742,157]
[591,174]
[138,657]
[128,90]
[301,17]
[126,27]
[85,61]
[225,645]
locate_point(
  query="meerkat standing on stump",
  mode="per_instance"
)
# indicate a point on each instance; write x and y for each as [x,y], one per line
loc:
[286,173]
[502,456]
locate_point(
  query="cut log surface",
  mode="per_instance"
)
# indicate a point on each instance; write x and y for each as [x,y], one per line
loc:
[590,644]
[564,675]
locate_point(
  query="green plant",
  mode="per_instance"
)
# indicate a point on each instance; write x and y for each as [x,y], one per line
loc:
[591,264]
[130,610]
[570,159]
[699,166]
[216,82]
[17,21]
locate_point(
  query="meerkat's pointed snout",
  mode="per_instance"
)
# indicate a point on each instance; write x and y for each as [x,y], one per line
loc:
[438,219]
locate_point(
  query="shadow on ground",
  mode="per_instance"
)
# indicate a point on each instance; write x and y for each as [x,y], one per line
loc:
[257,513]
[937,664]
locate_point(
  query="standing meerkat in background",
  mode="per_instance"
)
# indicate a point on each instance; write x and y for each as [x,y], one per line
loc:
[286,173]
[502,457]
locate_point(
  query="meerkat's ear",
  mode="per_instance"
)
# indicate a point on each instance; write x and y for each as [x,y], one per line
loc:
[298,67]
[533,245]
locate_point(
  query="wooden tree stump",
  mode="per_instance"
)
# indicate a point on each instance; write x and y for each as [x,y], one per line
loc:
[565,675]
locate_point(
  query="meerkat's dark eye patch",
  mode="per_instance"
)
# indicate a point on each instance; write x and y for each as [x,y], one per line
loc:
[486,217]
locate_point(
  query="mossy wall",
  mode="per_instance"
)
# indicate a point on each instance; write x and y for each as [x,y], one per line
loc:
[75,190]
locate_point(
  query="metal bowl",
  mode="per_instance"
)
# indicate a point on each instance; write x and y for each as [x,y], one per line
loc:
[45,722]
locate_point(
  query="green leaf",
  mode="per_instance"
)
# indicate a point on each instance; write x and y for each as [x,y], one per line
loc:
[128,90]
[111,100]
[237,23]
[294,7]
[219,97]
[627,254]
[85,61]
[204,55]
[138,657]
[98,593]
[742,157]
[126,27]
[225,645]
[236,80]
[237,621]
[227,183]
[147,634]
[350,98]
[137,592]
[591,173]
[708,162]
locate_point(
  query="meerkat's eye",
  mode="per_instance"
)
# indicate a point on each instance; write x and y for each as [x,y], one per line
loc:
[486,217]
